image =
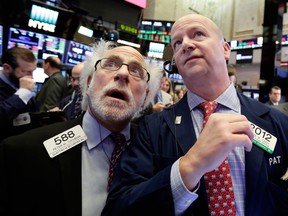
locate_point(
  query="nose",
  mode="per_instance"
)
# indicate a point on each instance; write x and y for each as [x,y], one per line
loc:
[187,44]
[122,73]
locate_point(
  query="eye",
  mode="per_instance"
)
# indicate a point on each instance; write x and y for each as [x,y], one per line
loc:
[136,70]
[198,34]
[110,63]
[176,44]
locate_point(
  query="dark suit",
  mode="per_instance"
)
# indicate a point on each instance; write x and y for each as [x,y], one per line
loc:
[283,107]
[10,107]
[71,111]
[52,92]
[32,183]
[144,182]
[269,103]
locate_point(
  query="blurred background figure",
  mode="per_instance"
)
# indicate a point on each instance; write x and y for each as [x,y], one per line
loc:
[162,99]
[54,88]
[274,96]
[16,91]
[179,93]
[233,77]
[71,105]
[166,85]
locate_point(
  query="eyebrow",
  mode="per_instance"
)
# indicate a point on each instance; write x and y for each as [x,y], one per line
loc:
[132,62]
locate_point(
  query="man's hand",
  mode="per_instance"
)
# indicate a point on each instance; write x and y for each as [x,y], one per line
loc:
[27,82]
[222,133]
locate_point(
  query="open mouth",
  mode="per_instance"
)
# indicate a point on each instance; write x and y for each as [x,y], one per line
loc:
[118,95]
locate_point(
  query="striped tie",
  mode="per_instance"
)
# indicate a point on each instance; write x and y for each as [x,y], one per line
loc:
[120,141]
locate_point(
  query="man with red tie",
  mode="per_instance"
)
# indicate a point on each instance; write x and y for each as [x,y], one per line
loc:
[235,165]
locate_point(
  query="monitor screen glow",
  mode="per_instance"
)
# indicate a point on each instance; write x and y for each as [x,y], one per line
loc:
[40,44]
[77,52]
[156,50]
[139,3]
[38,75]
[1,39]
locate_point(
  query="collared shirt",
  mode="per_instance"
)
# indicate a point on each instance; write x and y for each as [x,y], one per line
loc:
[24,94]
[96,153]
[229,103]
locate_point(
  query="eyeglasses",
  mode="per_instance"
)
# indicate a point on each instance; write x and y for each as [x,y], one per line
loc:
[134,69]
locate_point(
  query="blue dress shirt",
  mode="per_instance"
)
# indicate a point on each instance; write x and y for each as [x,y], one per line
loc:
[96,153]
[229,103]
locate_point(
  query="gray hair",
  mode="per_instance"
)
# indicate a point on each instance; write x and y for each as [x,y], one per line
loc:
[99,50]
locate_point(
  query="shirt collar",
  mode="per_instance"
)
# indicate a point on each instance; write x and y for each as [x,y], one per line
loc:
[228,99]
[96,133]
[7,81]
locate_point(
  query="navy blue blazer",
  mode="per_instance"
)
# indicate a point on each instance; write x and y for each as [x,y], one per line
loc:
[142,179]
[10,107]
[32,183]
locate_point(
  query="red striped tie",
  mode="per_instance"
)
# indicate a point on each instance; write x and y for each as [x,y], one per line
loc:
[218,182]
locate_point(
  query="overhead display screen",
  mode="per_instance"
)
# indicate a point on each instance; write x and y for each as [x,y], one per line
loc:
[155,30]
[40,44]
[1,40]
[77,52]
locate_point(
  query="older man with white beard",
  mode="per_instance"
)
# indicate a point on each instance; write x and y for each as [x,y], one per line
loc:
[63,169]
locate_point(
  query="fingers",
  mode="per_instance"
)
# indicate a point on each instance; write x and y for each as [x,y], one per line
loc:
[27,82]
[222,134]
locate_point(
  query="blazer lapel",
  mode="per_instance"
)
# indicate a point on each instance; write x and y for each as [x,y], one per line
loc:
[180,123]
[255,174]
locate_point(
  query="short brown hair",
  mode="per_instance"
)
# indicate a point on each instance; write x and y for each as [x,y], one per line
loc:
[11,56]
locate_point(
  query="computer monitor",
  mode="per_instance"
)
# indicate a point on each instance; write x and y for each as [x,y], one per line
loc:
[156,50]
[25,39]
[1,40]
[41,45]
[155,30]
[51,46]
[77,52]
[38,75]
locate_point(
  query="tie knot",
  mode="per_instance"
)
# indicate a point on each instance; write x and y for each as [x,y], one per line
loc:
[208,107]
[118,138]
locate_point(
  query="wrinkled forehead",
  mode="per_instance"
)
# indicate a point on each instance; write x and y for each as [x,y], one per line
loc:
[127,54]
[194,20]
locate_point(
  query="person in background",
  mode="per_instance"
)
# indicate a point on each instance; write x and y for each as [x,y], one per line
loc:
[16,91]
[71,105]
[179,93]
[169,164]
[62,169]
[54,88]
[274,96]
[166,85]
[162,99]
[233,77]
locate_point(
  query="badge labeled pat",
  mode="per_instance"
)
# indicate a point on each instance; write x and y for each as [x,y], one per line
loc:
[263,139]
[64,141]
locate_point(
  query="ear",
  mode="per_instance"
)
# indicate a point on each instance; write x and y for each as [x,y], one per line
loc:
[143,104]
[6,67]
[227,51]
[88,83]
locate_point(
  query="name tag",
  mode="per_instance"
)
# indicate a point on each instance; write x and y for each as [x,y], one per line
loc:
[22,119]
[263,139]
[64,141]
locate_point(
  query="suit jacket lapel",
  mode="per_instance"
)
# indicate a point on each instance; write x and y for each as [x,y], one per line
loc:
[183,130]
[255,174]
[70,167]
